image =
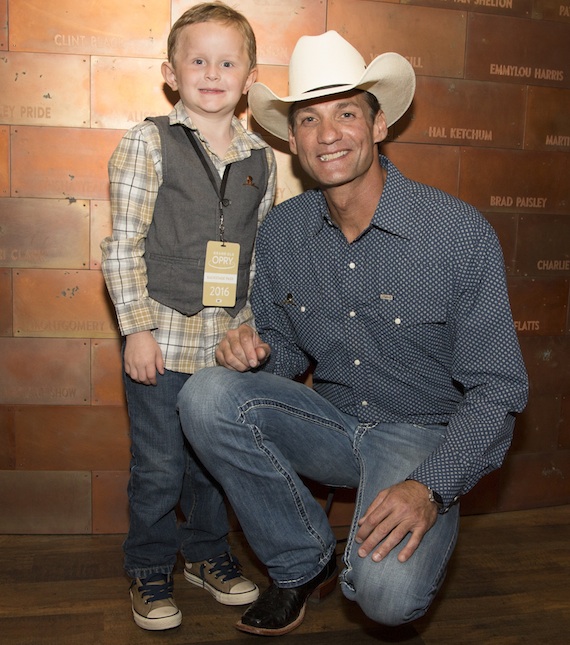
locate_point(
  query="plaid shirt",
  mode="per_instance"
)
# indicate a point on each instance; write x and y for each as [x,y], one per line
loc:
[187,343]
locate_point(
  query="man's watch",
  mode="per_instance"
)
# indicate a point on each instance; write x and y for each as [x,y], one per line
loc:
[436,498]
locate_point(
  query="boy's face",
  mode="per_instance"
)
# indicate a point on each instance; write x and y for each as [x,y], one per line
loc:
[211,69]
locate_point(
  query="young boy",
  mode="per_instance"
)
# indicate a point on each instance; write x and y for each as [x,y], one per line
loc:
[187,193]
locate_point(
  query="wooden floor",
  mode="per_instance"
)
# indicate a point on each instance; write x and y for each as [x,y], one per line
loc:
[509,582]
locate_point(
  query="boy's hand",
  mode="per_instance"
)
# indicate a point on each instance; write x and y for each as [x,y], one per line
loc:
[143,358]
[242,349]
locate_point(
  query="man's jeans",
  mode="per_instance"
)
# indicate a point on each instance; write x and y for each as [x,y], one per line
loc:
[256,433]
[163,473]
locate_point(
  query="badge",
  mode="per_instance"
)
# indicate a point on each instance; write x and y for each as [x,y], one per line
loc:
[220,274]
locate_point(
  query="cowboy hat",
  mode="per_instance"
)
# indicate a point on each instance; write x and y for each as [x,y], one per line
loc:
[328,64]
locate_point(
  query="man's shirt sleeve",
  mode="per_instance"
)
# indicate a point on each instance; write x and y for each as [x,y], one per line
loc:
[488,366]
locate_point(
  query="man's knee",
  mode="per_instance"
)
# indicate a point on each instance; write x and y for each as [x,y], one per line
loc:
[390,600]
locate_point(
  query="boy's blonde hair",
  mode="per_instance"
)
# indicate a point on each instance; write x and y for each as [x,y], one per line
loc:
[214,12]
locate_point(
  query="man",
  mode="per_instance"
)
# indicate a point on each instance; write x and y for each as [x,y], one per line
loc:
[395,293]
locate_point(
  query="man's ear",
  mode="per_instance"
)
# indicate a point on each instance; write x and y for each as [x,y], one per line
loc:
[292,141]
[169,75]
[380,129]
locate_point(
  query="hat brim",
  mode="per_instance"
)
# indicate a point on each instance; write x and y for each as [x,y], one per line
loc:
[390,77]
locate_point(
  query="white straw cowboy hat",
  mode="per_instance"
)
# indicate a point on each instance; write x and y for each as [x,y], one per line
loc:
[328,64]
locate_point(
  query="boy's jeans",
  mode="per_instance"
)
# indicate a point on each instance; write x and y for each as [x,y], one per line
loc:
[163,473]
[257,432]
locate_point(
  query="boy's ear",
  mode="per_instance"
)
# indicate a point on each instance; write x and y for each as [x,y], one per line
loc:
[250,80]
[169,75]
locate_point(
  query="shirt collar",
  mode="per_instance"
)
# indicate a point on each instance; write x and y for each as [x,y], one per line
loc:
[392,213]
[243,140]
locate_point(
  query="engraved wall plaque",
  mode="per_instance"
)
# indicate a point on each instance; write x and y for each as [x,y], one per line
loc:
[520,8]
[46,233]
[548,119]
[465,113]
[107,373]
[45,502]
[5,301]
[44,89]
[106,27]
[62,304]
[4,162]
[552,10]
[491,56]
[539,305]
[543,245]
[61,162]
[515,181]
[44,371]
[277,24]
[71,438]
[115,81]
[433,40]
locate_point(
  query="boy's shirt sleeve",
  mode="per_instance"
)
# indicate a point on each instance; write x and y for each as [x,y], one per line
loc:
[135,174]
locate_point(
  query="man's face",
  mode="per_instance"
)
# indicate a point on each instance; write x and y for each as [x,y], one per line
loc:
[335,137]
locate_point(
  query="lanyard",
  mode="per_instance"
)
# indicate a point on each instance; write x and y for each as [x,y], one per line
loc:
[220,192]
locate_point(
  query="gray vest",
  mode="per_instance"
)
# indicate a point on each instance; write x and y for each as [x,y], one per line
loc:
[186,217]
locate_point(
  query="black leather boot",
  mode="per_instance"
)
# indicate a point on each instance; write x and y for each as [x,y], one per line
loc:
[278,611]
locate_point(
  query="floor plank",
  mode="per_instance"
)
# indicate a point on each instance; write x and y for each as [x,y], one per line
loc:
[507,583]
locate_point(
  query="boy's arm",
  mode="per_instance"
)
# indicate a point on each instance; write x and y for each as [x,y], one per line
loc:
[135,176]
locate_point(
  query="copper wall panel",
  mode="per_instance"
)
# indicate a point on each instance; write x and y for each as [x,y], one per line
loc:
[547,359]
[492,57]
[61,304]
[3,24]
[44,371]
[433,165]
[551,10]
[50,89]
[277,24]
[521,8]
[4,162]
[110,502]
[564,434]
[537,428]
[548,119]
[105,27]
[7,439]
[465,113]
[505,225]
[484,498]
[71,438]
[539,305]
[116,83]
[538,479]
[47,233]
[61,162]
[101,227]
[515,181]
[433,40]
[107,373]
[45,502]
[5,301]
[543,245]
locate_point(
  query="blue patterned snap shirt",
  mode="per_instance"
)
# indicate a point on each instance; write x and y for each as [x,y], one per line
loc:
[409,323]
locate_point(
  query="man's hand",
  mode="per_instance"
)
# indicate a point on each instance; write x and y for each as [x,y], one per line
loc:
[143,358]
[242,349]
[401,509]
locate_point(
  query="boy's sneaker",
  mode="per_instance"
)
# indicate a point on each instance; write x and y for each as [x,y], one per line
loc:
[222,577]
[153,603]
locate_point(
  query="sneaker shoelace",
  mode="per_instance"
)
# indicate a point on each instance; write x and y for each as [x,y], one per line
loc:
[156,587]
[225,567]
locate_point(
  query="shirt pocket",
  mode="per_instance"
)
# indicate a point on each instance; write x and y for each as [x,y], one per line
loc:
[410,325]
